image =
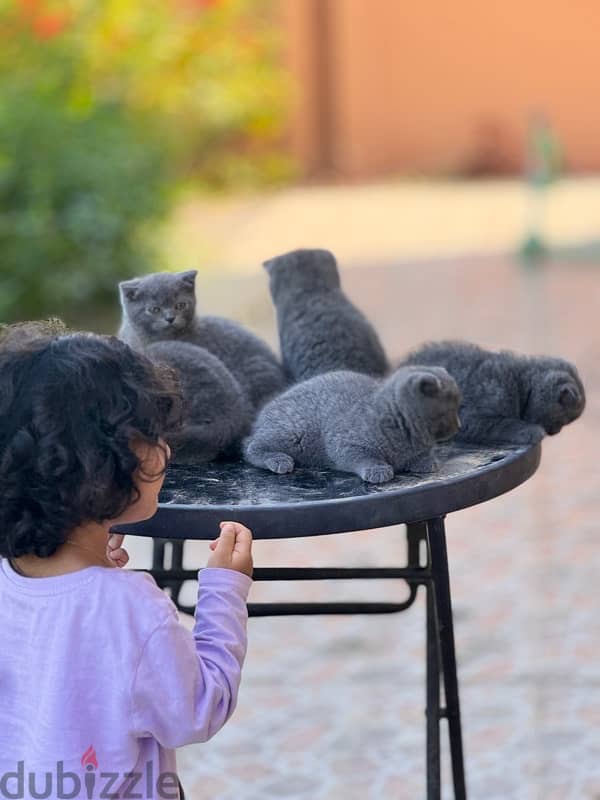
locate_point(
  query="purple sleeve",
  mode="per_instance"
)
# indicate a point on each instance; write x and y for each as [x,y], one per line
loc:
[186,684]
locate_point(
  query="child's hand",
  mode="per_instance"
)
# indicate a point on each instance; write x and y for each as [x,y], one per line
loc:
[233,548]
[114,552]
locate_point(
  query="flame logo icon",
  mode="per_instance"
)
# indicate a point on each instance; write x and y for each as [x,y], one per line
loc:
[88,759]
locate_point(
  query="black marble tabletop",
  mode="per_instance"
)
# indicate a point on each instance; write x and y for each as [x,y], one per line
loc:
[307,502]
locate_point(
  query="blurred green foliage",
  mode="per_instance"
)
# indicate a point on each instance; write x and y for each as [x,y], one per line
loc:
[104,107]
[74,190]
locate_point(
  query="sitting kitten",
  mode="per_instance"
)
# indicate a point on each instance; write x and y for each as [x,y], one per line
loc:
[162,307]
[216,412]
[507,398]
[319,328]
[356,423]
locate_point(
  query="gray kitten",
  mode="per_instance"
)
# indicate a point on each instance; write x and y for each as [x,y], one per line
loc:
[162,307]
[320,330]
[356,423]
[507,398]
[216,412]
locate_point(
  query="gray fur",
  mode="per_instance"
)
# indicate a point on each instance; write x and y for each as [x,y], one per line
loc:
[216,412]
[357,423]
[507,398]
[320,330]
[162,307]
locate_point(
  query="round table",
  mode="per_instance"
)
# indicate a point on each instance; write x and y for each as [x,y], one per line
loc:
[195,498]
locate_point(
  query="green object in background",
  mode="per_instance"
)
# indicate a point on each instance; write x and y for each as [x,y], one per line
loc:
[544,154]
[76,190]
[543,166]
[533,248]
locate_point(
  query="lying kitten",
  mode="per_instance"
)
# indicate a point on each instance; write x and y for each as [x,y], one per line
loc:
[507,398]
[319,328]
[356,423]
[162,307]
[216,412]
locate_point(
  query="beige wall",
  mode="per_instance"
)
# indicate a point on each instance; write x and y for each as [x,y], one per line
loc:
[433,86]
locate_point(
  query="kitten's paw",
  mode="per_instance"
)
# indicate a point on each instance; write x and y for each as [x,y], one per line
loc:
[378,474]
[280,463]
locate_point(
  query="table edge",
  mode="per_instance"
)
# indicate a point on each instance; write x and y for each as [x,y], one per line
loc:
[178,521]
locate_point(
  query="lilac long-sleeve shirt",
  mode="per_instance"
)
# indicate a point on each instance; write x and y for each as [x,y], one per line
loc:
[97,675]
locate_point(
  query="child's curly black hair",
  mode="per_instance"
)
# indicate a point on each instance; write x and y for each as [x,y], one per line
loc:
[70,405]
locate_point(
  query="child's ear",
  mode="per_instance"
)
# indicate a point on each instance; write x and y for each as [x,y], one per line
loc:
[188,277]
[129,289]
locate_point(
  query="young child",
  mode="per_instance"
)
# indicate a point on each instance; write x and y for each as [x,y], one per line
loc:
[99,682]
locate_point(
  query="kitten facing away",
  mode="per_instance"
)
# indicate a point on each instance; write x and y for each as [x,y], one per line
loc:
[507,398]
[320,330]
[216,413]
[356,423]
[162,307]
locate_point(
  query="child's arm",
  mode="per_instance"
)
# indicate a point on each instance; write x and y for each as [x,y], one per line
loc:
[186,685]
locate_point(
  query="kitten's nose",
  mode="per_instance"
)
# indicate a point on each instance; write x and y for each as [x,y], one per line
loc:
[170,318]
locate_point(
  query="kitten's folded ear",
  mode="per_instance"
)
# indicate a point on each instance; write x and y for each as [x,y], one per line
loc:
[129,288]
[429,385]
[188,277]
[569,397]
[291,258]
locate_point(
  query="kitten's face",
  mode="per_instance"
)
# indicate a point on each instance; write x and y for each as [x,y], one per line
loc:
[556,395]
[430,395]
[311,270]
[160,306]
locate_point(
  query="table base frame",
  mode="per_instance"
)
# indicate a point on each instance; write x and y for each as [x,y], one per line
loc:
[427,566]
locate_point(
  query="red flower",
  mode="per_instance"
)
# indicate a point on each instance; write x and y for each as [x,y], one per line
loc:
[47,26]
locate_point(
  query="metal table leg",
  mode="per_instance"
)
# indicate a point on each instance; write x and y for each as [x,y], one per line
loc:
[433,700]
[436,536]
[417,535]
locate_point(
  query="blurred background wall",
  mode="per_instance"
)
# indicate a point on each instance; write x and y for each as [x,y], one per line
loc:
[439,88]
